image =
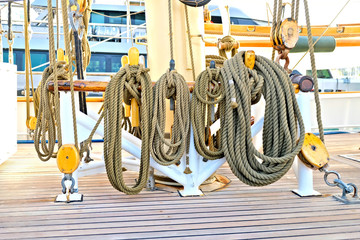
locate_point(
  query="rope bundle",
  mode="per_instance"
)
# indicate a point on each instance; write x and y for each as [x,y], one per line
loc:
[129,78]
[208,91]
[281,120]
[170,85]
[45,130]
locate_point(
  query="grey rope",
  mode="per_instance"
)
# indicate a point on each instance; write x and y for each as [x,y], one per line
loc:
[281,120]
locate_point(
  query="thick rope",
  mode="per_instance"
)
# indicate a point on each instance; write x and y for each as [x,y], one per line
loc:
[45,130]
[230,41]
[170,85]
[314,72]
[129,78]
[70,73]
[208,92]
[281,120]
[273,28]
[219,61]
[190,44]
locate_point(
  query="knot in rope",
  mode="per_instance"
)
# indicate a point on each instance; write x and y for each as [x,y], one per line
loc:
[229,43]
[171,84]
[133,77]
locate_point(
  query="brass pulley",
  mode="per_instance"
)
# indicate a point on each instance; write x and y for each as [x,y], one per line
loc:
[313,152]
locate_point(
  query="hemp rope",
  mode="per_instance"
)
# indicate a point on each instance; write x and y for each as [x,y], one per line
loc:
[208,91]
[129,78]
[171,85]
[230,46]
[281,120]
[314,73]
[48,114]
[219,61]
[45,130]
[70,73]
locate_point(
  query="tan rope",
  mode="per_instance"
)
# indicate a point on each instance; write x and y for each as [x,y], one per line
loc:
[208,92]
[170,85]
[190,44]
[130,78]
[70,73]
[230,42]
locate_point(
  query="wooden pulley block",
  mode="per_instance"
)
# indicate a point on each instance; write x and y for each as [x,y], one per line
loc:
[31,123]
[314,153]
[68,158]
[285,35]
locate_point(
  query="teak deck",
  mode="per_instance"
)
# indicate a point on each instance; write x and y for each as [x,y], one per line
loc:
[27,209]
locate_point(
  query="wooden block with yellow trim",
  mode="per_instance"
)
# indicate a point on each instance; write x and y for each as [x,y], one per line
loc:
[31,123]
[133,56]
[68,158]
[250,59]
[314,152]
[124,60]
[135,118]
[60,55]
[127,110]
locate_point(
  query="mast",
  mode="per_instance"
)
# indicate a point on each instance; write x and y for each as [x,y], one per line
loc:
[157,22]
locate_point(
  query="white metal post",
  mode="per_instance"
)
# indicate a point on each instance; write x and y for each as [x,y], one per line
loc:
[304,174]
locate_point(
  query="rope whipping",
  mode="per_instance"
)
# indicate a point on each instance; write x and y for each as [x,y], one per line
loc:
[281,144]
[208,92]
[131,79]
[171,85]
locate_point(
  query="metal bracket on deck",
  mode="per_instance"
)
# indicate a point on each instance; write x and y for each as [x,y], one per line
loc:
[69,193]
[347,188]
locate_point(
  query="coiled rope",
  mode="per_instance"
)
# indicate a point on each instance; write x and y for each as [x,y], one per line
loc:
[130,79]
[170,85]
[45,130]
[281,120]
[208,91]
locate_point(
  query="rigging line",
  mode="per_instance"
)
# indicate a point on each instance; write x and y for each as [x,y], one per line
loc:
[131,33]
[322,34]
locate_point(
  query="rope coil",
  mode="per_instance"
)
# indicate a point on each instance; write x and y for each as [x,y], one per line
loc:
[170,85]
[281,120]
[208,92]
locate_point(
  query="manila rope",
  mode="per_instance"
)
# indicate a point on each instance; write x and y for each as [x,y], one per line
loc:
[129,78]
[171,85]
[208,91]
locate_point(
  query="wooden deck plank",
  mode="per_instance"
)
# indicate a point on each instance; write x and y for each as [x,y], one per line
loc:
[28,187]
